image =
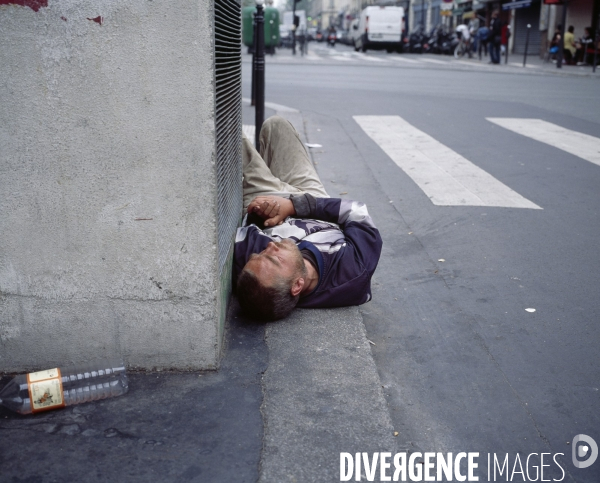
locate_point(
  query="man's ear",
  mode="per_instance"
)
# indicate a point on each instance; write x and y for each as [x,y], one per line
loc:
[297,286]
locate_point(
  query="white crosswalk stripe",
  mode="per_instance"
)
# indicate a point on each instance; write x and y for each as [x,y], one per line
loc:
[404,59]
[342,58]
[369,58]
[582,145]
[326,53]
[445,176]
[434,61]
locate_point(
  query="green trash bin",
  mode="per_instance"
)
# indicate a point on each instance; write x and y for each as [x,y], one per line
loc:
[271,27]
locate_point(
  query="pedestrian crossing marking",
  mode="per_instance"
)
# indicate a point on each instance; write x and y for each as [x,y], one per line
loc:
[404,59]
[434,61]
[445,176]
[582,145]
[341,57]
[369,58]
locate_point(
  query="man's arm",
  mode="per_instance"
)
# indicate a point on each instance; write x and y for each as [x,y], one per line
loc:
[353,217]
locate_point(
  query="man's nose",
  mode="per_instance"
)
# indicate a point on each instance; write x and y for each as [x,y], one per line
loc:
[272,247]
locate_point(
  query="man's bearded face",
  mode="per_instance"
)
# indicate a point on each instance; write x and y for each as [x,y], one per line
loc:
[280,260]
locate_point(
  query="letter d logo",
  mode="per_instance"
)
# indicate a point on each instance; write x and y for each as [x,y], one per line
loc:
[582,451]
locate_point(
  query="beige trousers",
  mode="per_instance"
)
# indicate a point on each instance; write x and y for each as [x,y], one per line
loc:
[283,166]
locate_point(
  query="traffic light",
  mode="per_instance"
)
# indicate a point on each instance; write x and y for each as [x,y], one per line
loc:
[296,20]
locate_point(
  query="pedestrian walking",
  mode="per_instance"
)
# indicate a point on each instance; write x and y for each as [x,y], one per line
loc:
[483,38]
[495,37]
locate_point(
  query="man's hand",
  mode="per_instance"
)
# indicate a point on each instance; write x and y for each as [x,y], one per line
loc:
[273,209]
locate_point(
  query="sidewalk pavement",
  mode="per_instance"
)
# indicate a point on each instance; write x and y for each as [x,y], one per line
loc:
[201,426]
[288,398]
[320,54]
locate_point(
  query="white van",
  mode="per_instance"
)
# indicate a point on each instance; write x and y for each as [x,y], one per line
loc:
[288,19]
[379,28]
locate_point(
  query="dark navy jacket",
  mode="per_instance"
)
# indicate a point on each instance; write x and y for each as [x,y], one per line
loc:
[341,236]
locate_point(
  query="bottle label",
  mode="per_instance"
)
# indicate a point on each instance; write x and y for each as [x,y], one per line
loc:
[45,390]
[41,375]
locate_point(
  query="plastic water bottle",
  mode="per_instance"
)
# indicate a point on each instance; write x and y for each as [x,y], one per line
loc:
[57,388]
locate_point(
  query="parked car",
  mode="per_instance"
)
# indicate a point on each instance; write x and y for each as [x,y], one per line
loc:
[285,36]
[354,32]
[380,28]
[343,37]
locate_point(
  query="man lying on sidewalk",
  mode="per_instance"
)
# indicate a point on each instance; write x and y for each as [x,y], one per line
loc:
[297,246]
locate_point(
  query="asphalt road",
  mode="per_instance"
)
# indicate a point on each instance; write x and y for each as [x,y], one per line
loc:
[464,366]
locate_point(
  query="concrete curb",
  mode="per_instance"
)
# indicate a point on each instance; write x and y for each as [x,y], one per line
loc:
[322,396]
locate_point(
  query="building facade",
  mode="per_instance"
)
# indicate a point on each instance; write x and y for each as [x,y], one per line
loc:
[120,193]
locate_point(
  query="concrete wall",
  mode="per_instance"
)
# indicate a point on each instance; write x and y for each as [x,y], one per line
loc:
[107,184]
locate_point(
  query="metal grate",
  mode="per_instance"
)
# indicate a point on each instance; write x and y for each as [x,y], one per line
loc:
[528,15]
[228,84]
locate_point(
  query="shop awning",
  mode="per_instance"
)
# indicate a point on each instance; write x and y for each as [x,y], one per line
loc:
[516,4]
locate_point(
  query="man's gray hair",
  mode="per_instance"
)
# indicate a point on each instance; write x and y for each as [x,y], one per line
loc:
[265,303]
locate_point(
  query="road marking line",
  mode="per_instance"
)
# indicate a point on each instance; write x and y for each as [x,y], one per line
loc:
[249,130]
[403,59]
[340,57]
[434,61]
[466,62]
[446,177]
[518,64]
[368,57]
[582,145]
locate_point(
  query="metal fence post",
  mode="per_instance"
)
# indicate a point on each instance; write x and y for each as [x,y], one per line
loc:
[259,108]
[294,28]
[596,37]
[526,44]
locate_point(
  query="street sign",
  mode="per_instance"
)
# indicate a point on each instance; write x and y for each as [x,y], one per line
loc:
[516,4]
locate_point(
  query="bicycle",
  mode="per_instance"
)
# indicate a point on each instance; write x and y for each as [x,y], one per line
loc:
[463,47]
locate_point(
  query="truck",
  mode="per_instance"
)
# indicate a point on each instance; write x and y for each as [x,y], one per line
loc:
[271,28]
[288,19]
[379,28]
